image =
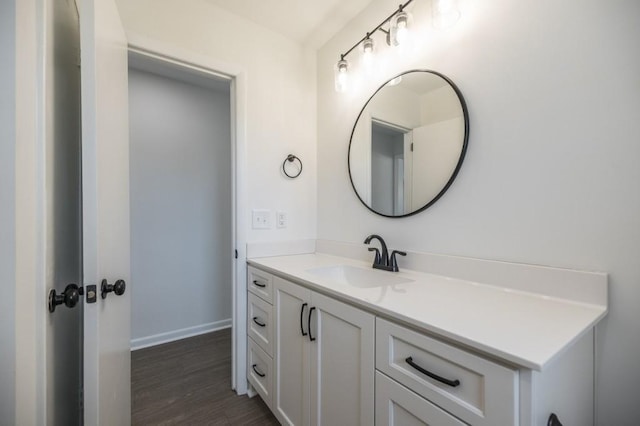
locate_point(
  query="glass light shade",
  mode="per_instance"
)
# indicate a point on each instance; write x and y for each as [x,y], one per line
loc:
[367,48]
[341,76]
[400,25]
[445,13]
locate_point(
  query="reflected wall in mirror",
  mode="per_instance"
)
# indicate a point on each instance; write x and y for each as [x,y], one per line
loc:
[408,143]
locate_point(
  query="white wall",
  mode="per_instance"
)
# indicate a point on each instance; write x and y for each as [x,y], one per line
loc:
[436,153]
[396,105]
[551,173]
[280,99]
[7,211]
[181,247]
[439,105]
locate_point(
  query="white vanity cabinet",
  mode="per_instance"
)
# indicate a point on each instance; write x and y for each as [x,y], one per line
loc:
[324,359]
[260,368]
[325,362]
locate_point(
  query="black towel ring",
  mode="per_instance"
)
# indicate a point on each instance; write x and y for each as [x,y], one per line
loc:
[291,158]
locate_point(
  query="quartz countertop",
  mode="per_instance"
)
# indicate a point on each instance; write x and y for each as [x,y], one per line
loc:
[520,328]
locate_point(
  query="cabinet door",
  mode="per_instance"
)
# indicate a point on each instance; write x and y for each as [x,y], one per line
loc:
[342,363]
[398,406]
[291,309]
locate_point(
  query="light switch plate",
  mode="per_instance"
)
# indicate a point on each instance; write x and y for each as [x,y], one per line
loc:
[281,219]
[261,219]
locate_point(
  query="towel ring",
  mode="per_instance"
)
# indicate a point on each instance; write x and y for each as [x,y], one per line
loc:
[291,158]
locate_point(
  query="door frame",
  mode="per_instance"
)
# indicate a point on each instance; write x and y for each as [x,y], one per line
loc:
[26,244]
[190,61]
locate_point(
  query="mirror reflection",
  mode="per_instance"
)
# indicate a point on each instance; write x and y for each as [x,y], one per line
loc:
[408,143]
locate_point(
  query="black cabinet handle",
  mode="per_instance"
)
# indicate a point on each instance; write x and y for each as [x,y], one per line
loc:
[301,316]
[255,370]
[311,338]
[255,282]
[261,324]
[452,383]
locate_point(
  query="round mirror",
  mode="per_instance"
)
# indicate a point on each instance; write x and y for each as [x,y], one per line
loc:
[408,143]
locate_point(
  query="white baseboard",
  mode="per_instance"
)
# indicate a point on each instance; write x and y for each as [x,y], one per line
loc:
[170,336]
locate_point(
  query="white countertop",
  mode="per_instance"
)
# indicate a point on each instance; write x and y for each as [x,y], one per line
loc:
[521,328]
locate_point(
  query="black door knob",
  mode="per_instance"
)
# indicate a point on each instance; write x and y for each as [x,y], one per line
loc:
[70,297]
[118,288]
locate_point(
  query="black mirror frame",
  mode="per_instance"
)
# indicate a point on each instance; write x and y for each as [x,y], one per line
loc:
[465,113]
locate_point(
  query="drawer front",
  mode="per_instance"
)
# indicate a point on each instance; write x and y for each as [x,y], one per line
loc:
[478,391]
[259,322]
[399,406]
[260,283]
[260,371]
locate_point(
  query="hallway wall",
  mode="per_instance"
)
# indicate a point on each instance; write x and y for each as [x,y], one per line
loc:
[180,169]
[280,101]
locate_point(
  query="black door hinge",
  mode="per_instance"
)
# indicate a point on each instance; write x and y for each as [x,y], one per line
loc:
[236,253]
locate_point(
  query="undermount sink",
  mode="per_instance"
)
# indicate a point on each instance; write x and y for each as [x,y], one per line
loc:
[357,277]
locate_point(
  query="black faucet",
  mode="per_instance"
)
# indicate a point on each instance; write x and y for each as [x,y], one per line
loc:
[383,260]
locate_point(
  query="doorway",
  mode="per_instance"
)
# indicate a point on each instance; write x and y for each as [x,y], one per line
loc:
[183,200]
[388,167]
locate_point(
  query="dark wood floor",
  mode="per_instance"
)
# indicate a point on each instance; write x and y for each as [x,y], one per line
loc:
[188,382]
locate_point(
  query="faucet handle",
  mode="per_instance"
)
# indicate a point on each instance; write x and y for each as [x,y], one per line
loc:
[377,259]
[394,261]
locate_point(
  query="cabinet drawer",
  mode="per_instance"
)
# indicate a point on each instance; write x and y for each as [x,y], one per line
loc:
[260,371]
[260,283]
[485,393]
[259,322]
[398,406]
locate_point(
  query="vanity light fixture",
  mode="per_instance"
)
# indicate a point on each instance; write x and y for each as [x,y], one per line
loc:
[399,28]
[445,13]
[398,21]
[368,48]
[341,75]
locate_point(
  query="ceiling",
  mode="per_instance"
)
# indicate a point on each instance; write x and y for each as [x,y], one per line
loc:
[309,22]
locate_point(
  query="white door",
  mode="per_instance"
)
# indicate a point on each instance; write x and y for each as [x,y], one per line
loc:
[105,213]
[342,363]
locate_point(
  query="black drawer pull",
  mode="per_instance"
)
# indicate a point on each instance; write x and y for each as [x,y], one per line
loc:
[311,338]
[255,370]
[301,316]
[452,383]
[255,282]
[261,324]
